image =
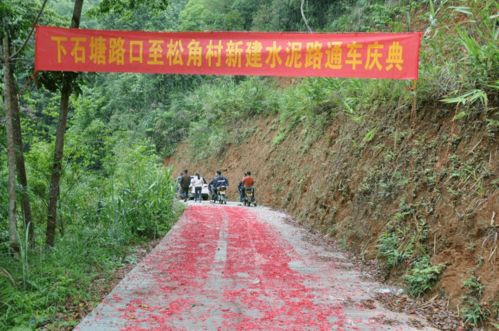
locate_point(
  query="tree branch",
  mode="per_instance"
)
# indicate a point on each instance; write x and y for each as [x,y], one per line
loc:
[303,16]
[31,32]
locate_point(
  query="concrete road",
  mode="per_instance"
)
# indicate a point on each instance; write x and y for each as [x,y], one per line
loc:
[240,268]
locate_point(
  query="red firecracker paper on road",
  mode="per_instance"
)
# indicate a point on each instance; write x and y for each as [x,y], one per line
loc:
[355,55]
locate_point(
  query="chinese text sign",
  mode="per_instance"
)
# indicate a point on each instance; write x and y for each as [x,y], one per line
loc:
[356,55]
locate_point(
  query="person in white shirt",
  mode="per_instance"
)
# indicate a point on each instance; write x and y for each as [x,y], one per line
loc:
[197,182]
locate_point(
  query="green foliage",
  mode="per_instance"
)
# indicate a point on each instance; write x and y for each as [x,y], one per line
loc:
[389,248]
[19,17]
[422,276]
[202,15]
[115,193]
[4,273]
[369,136]
[126,6]
[101,218]
[469,98]
[403,239]
[279,138]
[473,312]
[474,287]
[478,65]
[141,192]
[3,183]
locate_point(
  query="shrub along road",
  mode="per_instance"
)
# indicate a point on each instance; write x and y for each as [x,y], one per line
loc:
[236,268]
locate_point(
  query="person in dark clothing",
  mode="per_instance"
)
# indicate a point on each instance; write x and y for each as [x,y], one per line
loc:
[185,182]
[240,188]
[217,182]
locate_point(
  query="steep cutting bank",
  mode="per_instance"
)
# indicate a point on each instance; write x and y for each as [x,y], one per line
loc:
[398,187]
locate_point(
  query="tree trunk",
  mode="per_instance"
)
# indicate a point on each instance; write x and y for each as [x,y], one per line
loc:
[20,165]
[55,177]
[11,153]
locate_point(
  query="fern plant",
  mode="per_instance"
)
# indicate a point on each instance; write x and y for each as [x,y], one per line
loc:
[422,276]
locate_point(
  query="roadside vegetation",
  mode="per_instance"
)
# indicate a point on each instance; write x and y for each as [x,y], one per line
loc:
[116,195]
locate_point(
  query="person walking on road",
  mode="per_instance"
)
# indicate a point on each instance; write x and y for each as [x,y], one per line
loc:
[185,182]
[197,182]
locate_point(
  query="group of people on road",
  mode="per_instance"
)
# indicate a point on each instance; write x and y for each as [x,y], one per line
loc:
[185,182]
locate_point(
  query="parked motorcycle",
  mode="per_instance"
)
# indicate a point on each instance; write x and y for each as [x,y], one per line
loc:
[249,196]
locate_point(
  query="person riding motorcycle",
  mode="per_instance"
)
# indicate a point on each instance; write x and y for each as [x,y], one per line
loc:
[217,182]
[248,181]
[248,184]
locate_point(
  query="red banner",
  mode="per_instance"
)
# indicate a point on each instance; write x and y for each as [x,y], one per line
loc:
[358,55]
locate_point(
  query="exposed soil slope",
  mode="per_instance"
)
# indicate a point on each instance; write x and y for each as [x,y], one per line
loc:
[433,185]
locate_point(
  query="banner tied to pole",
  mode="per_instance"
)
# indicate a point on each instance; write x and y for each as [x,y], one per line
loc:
[356,55]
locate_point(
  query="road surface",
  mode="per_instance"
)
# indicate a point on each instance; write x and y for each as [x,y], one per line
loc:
[239,268]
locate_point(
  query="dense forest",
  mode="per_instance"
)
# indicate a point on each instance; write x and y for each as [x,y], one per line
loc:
[115,194]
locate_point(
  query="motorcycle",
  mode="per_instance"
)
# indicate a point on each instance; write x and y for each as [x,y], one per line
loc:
[222,195]
[249,196]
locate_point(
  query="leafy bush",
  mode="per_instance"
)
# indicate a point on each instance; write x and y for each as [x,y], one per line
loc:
[134,199]
[422,276]
[389,248]
[140,192]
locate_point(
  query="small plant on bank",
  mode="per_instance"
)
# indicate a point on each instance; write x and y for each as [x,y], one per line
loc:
[474,287]
[422,276]
[370,135]
[473,313]
[279,138]
[397,244]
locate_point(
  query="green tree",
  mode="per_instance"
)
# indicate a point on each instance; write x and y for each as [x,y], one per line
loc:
[67,82]
[18,26]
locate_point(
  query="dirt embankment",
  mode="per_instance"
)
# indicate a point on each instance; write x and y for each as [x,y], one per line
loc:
[432,185]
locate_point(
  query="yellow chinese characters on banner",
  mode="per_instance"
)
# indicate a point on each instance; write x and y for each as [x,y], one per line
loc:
[360,55]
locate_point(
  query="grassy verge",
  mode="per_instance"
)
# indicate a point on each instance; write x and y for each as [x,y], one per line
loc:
[64,285]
